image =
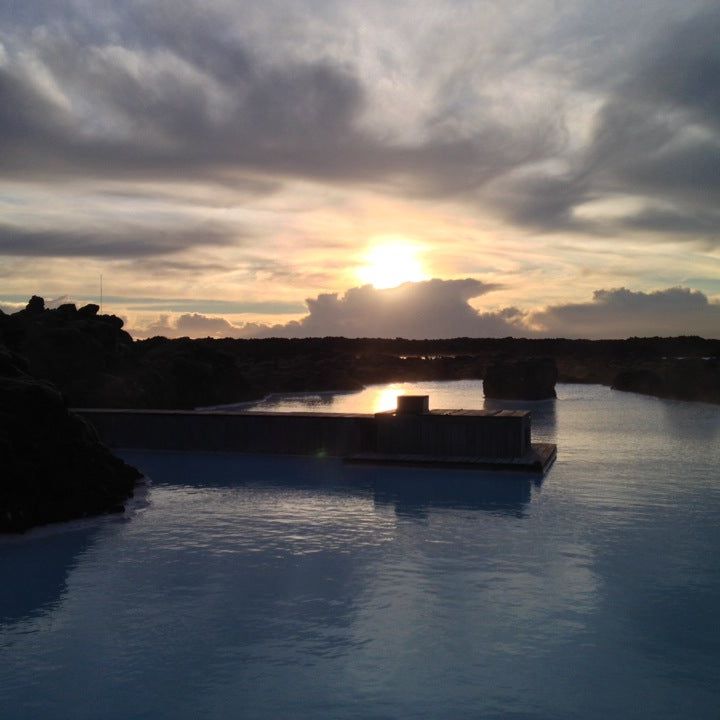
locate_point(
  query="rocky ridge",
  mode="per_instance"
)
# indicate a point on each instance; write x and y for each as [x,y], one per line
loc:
[95,363]
[53,465]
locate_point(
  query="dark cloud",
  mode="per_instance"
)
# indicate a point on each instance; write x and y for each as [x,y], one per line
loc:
[682,72]
[623,313]
[171,92]
[539,201]
[153,91]
[164,267]
[670,222]
[109,242]
[656,138]
[149,112]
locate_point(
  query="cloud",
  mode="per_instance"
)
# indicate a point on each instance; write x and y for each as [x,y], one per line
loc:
[656,139]
[119,241]
[440,309]
[197,325]
[159,94]
[182,305]
[306,122]
[142,91]
[622,313]
[15,304]
[12,307]
[193,325]
[430,309]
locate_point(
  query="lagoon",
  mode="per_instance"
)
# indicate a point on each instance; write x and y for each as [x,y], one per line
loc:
[276,587]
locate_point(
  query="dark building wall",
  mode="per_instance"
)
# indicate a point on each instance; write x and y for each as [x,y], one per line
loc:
[297,434]
[495,435]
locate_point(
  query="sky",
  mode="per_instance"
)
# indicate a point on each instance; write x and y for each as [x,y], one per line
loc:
[366,168]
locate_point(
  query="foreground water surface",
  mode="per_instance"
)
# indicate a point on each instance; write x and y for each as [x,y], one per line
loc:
[255,587]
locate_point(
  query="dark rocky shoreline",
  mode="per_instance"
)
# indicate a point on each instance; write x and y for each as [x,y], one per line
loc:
[53,465]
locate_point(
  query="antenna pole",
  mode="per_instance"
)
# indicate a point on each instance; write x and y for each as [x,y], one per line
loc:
[101,294]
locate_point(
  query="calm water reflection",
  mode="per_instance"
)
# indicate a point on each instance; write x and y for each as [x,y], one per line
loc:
[35,572]
[258,587]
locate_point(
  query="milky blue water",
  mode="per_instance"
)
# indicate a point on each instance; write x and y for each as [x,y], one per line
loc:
[251,587]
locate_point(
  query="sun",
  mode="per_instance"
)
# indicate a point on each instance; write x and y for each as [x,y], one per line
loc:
[391,261]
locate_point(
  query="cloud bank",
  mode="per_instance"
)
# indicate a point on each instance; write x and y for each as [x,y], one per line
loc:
[624,313]
[124,242]
[656,140]
[441,309]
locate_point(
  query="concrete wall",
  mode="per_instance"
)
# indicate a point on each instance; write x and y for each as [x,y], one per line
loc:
[497,435]
[287,433]
[504,434]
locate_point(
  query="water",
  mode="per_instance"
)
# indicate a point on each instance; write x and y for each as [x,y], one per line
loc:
[253,587]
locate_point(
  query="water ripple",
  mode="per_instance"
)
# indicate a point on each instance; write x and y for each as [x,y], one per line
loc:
[285,587]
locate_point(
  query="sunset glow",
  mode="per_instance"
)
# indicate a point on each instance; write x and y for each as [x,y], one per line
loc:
[241,169]
[385,397]
[392,262]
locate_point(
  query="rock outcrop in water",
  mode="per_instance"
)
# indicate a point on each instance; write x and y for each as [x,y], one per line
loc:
[532,379]
[52,465]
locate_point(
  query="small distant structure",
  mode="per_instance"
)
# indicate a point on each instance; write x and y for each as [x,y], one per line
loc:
[411,434]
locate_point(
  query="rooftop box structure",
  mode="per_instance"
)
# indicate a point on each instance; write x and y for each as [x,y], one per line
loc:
[412,404]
